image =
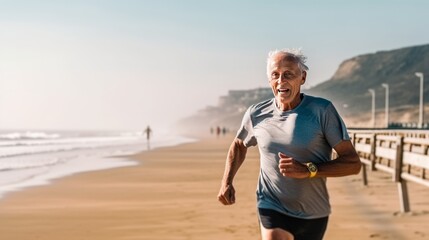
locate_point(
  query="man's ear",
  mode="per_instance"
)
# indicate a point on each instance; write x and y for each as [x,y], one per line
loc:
[304,77]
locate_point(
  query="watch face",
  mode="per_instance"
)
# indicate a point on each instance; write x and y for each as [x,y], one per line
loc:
[312,167]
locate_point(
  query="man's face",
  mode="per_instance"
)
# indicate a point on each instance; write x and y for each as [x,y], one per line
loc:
[285,79]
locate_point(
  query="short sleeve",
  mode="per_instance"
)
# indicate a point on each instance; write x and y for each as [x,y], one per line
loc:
[334,128]
[245,133]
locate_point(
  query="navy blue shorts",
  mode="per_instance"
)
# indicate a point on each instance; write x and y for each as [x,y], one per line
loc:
[301,229]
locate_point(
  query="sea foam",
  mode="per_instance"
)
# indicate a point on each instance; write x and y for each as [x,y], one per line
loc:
[35,158]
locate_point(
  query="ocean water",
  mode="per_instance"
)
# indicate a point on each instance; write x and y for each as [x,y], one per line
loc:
[33,158]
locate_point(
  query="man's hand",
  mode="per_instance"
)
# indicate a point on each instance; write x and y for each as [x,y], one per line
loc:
[289,167]
[226,194]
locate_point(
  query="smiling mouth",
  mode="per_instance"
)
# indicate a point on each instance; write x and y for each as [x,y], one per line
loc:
[283,90]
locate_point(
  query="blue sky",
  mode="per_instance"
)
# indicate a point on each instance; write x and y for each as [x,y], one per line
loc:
[125,64]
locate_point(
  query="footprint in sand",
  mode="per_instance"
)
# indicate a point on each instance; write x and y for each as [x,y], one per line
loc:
[231,229]
[420,234]
[378,235]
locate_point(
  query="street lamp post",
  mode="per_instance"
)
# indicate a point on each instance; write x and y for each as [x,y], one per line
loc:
[373,107]
[420,75]
[386,86]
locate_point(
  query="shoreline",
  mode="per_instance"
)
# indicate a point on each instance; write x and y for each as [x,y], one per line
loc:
[171,194]
[45,167]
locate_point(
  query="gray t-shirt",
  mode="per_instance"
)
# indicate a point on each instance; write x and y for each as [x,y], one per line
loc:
[307,133]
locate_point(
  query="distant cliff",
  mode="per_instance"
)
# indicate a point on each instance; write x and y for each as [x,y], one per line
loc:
[227,113]
[347,89]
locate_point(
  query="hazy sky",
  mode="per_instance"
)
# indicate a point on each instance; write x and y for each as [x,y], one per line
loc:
[125,64]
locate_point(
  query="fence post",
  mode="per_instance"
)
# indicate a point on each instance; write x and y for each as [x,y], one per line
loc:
[401,183]
[372,156]
[364,173]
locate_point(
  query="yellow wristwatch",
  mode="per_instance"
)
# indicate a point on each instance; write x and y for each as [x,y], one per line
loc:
[312,168]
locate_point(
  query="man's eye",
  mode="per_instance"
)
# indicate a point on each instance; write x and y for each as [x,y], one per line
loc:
[274,75]
[288,75]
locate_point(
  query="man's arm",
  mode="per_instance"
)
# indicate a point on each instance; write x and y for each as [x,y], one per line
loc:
[347,163]
[236,155]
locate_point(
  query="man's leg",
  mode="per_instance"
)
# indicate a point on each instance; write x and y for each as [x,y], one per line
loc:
[275,234]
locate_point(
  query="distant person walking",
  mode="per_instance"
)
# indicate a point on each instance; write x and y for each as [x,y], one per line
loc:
[148,132]
[218,130]
[295,134]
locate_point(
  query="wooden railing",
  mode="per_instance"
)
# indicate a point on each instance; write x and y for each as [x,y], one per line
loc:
[401,153]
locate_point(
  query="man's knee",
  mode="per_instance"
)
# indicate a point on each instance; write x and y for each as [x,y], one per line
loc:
[275,234]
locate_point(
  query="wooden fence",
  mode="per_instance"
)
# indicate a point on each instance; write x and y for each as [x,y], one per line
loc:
[401,153]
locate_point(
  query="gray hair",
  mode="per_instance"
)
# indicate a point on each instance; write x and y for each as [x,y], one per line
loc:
[295,54]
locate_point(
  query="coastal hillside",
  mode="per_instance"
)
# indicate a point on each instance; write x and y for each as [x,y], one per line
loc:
[227,114]
[347,89]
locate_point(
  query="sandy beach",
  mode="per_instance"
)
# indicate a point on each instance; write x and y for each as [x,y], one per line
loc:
[171,194]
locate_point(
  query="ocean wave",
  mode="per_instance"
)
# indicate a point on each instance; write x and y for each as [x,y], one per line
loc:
[29,135]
